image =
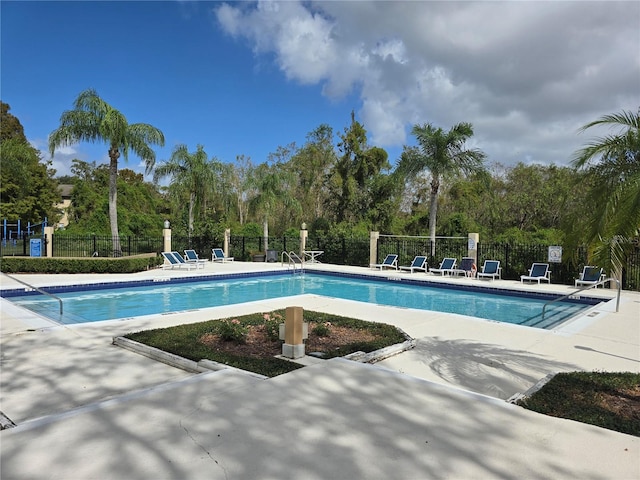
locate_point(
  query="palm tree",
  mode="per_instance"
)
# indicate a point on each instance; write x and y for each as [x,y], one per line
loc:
[443,155]
[94,120]
[612,166]
[193,174]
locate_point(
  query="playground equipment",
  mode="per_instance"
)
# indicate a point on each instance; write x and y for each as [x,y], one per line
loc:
[12,232]
[18,241]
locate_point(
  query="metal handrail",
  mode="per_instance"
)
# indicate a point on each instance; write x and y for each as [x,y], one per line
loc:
[36,289]
[293,259]
[601,282]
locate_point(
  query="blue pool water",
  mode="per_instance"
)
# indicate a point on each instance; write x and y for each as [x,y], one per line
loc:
[116,303]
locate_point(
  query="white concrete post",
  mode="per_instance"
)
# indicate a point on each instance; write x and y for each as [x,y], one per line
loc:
[472,247]
[373,247]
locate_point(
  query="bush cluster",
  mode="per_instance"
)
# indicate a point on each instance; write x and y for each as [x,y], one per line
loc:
[77,265]
[233,331]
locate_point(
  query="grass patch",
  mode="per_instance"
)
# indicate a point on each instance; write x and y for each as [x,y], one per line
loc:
[250,342]
[608,400]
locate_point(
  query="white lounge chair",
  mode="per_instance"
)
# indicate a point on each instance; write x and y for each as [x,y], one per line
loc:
[538,272]
[217,255]
[447,266]
[390,261]
[419,263]
[192,257]
[173,260]
[590,276]
[181,261]
[491,269]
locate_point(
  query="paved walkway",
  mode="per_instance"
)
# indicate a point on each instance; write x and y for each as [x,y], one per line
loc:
[87,409]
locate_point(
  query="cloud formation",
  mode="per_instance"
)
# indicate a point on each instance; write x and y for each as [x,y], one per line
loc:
[527,75]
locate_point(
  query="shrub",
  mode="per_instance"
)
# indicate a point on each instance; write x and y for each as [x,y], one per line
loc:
[272,325]
[233,331]
[322,329]
[78,265]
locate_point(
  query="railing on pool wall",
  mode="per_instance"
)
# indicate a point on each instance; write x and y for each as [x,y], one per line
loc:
[578,290]
[293,260]
[39,290]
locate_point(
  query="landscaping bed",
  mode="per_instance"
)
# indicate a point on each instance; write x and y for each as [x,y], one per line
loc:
[608,400]
[252,342]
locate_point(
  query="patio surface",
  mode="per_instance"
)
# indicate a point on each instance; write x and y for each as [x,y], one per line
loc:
[84,408]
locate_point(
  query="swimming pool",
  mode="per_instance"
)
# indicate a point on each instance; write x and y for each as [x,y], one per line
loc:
[88,304]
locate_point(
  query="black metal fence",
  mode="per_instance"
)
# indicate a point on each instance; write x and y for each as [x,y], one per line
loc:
[102,245]
[19,247]
[631,273]
[514,259]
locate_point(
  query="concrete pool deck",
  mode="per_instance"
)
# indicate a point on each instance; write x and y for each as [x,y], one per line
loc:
[85,408]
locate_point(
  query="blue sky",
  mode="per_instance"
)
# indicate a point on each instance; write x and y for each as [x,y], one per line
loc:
[245,78]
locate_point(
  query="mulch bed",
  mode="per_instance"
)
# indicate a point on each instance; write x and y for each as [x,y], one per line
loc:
[258,345]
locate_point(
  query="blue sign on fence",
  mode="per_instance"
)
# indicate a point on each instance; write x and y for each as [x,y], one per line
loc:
[35,247]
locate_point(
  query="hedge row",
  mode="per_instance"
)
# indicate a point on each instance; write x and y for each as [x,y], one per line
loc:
[78,265]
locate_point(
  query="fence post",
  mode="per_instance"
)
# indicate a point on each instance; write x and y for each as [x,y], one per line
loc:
[48,240]
[304,233]
[227,240]
[472,246]
[166,237]
[373,247]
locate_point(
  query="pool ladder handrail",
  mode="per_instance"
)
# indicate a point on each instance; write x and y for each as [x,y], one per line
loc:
[293,259]
[39,290]
[587,287]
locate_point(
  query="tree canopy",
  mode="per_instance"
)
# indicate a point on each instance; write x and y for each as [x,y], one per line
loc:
[28,190]
[611,165]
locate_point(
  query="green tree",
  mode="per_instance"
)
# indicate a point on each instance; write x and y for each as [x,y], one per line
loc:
[311,164]
[140,208]
[192,174]
[273,184]
[10,126]
[612,167]
[444,155]
[354,186]
[28,190]
[239,176]
[94,120]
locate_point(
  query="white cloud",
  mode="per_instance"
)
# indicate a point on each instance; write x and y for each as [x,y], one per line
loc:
[525,74]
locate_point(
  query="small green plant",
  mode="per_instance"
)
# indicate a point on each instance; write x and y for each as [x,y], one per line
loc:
[272,323]
[233,331]
[322,329]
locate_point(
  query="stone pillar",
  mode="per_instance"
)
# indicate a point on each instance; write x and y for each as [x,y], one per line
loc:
[373,247]
[472,247]
[227,241]
[294,333]
[166,239]
[48,240]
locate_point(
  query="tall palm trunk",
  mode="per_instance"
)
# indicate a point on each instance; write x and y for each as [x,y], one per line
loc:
[265,232]
[114,154]
[433,211]
[192,201]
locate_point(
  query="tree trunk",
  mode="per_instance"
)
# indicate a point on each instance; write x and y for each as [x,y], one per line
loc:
[114,154]
[192,200]
[265,232]
[433,211]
